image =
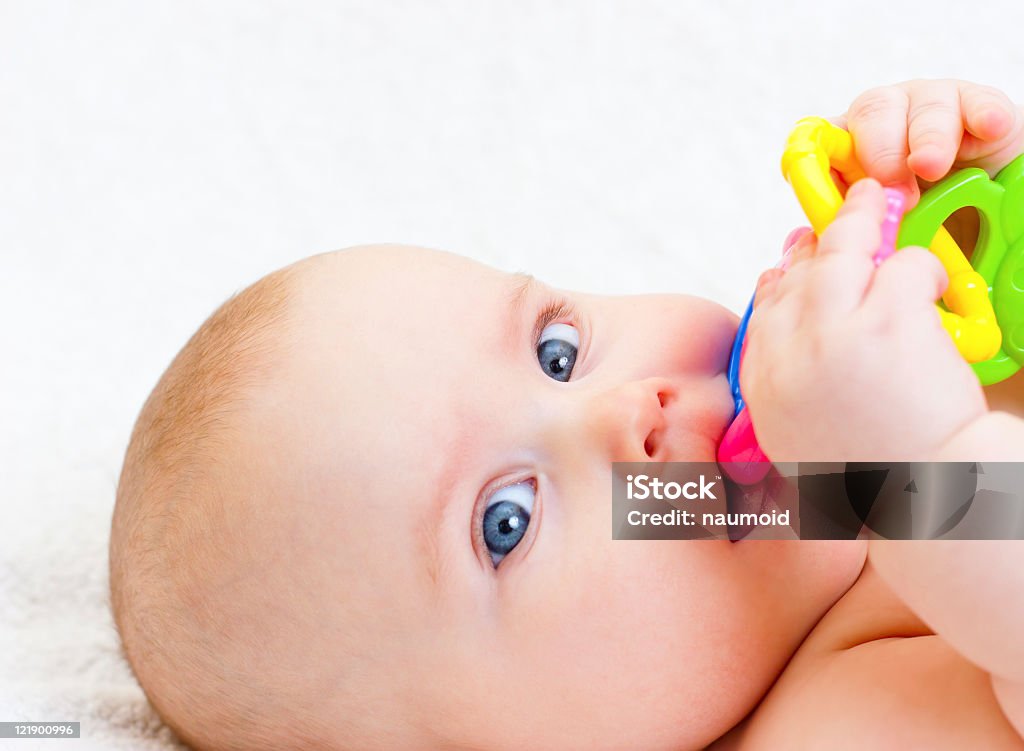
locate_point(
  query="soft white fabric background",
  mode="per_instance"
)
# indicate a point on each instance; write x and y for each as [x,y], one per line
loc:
[155,158]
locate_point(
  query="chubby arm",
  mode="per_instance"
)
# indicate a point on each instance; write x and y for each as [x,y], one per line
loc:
[990,437]
[970,592]
[831,317]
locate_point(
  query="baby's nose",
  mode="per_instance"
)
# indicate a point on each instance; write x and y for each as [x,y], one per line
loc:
[628,421]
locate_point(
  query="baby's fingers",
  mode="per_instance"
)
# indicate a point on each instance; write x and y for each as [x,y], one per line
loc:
[877,120]
[800,245]
[988,113]
[912,280]
[766,285]
[840,273]
[935,127]
[995,128]
[856,230]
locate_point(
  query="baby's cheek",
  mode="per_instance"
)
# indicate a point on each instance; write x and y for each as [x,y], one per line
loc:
[705,628]
[670,621]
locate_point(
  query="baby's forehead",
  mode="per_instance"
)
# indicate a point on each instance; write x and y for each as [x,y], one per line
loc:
[369,295]
[377,263]
[398,347]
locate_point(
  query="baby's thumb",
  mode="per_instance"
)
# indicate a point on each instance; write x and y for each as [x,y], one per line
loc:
[911,278]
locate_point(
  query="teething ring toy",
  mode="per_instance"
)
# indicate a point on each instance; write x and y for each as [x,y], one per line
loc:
[816,146]
[983,306]
[992,342]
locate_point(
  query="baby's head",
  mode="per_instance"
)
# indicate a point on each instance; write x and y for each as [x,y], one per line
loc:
[369,506]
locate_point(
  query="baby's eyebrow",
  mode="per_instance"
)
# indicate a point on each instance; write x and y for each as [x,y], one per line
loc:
[521,284]
[521,289]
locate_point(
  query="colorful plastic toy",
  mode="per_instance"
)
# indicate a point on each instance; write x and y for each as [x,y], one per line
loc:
[983,307]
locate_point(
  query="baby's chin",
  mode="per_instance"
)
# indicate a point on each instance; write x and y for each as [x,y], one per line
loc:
[826,568]
[838,562]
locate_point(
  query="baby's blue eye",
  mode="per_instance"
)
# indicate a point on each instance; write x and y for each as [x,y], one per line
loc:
[507,517]
[556,350]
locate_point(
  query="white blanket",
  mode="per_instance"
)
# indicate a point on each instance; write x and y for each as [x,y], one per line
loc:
[156,157]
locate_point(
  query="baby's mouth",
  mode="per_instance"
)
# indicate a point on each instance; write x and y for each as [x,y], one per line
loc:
[756,498]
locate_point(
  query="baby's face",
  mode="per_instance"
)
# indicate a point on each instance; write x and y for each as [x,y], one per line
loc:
[442,512]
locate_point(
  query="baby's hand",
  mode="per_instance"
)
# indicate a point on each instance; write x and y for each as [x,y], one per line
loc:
[848,362]
[923,129]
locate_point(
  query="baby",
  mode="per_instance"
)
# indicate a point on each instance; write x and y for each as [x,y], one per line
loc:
[368,504]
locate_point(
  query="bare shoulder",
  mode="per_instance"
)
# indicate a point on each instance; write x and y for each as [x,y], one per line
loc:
[872,675]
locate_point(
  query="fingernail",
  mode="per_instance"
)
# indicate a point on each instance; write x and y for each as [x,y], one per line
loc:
[860,186]
[786,258]
[793,238]
[802,243]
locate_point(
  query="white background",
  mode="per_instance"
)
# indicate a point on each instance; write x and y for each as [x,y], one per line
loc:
[156,157]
